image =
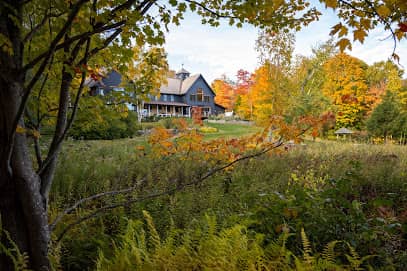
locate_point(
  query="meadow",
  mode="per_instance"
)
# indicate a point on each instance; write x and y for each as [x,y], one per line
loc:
[322,205]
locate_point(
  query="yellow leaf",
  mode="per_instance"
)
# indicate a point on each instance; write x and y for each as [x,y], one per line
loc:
[335,29]
[344,44]
[331,3]
[359,35]
[20,129]
[365,23]
[343,31]
[399,34]
[383,11]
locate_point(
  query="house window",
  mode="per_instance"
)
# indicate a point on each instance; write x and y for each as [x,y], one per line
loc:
[207,99]
[172,98]
[206,111]
[192,98]
[200,95]
[165,97]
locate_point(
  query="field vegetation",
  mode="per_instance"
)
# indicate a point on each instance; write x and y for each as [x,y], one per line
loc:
[321,205]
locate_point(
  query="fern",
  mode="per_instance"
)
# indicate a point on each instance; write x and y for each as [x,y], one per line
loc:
[328,254]
[206,248]
[307,249]
[154,236]
[354,259]
[19,260]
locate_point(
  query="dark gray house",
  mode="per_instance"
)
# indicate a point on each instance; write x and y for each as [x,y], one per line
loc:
[180,95]
[177,97]
[106,84]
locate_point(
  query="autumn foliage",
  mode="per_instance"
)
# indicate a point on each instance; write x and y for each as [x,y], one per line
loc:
[224,93]
[337,88]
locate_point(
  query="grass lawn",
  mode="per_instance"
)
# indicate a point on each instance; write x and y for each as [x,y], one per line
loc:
[230,130]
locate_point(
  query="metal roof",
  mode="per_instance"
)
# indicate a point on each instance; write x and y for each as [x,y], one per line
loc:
[178,86]
[166,103]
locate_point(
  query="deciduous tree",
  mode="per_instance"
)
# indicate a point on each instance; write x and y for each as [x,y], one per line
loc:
[346,87]
[225,93]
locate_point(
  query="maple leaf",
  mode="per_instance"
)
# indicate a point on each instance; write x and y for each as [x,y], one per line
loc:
[335,29]
[403,27]
[344,44]
[359,35]
[383,11]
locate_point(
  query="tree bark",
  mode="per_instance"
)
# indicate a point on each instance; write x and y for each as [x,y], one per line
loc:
[22,210]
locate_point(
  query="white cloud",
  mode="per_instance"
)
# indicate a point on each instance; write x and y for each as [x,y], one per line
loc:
[213,51]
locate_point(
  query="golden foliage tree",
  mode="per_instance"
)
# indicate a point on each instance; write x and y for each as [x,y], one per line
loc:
[224,93]
[347,89]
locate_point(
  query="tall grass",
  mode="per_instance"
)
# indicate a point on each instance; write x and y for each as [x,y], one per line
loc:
[336,191]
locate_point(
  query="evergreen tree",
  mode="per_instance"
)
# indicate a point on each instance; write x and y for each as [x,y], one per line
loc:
[384,117]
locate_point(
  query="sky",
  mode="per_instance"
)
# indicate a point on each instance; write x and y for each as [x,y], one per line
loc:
[223,50]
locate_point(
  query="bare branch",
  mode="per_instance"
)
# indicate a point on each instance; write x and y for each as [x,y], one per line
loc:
[91,198]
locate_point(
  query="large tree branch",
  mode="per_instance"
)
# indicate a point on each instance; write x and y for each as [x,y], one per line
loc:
[63,125]
[88,54]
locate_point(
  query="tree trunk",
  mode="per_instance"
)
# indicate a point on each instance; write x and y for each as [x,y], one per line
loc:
[22,210]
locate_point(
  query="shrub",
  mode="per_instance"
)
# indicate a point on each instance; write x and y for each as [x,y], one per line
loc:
[207,129]
[107,124]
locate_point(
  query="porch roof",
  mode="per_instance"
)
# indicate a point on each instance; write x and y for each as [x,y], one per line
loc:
[166,103]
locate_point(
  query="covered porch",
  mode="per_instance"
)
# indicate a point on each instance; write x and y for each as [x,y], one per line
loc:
[166,109]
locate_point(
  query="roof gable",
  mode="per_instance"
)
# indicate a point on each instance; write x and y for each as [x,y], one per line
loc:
[181,87]
[189,82]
